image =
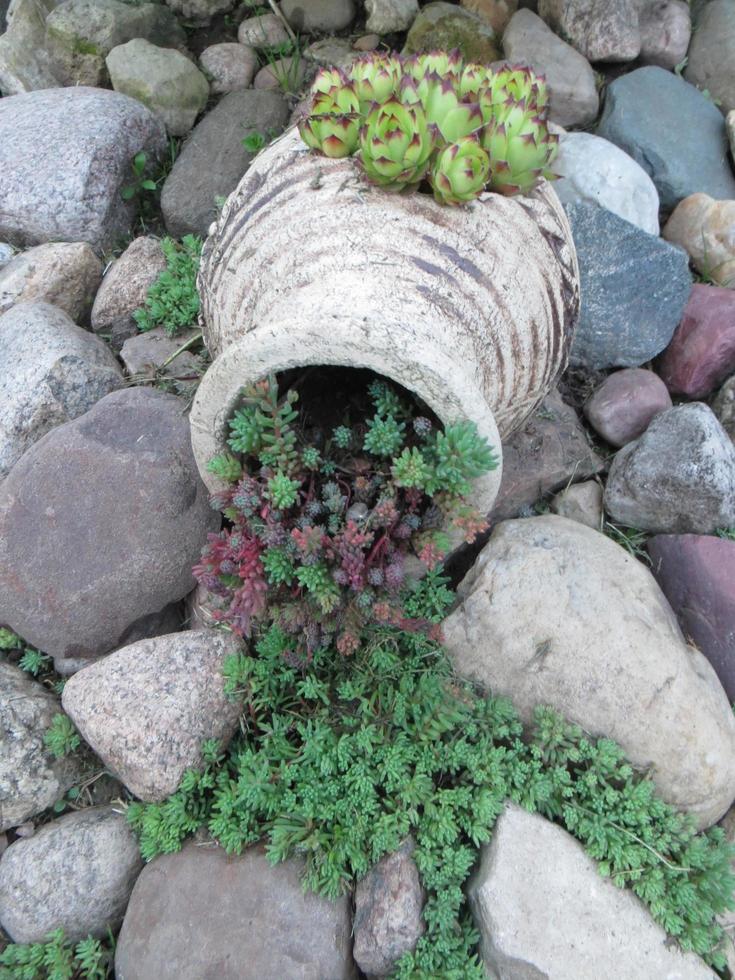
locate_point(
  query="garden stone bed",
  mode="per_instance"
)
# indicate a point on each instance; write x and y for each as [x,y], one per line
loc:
[367,490]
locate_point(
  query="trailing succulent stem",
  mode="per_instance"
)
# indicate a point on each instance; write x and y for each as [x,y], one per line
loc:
[464,128]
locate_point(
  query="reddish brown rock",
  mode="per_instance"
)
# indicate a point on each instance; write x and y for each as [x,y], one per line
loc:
[622,408]
[697,575]
[388,922]
[702,351]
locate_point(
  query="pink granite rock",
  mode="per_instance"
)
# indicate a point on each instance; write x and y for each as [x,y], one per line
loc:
[622,407]
[697,575]
[702,351]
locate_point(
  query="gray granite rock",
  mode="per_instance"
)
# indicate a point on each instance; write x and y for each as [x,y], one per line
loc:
[146,353]
[544,911]
[213,159]
[65,274]
[387,923]
[573,93]
[602,30]
[24,62]
[387,16]
[53,371]
[75,873]
[121,550]
[71,191]
[711,60]
[262,31]
[162,79]
[666,28]
[125,287]
[31,779]
[81,33]
[147,708]
[200,12]
[678,478]
[582,502]
[676,134]
[549,451]
[187,914]
[635,287]
[314,16]
[724,406]
[229,67]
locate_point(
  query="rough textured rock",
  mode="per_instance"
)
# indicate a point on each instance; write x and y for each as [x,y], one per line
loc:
[75,873]
[545,454]
[711,60]
[730,126]
[557,917]
[334,51]
[704,227]
[724,406]
[53,371]
[595,171]
[147,708]
[581,502]
[496,13]
[573,93]
[162,79]
[666,27]
[185,921]
[697,575]
[145,353]
[229,67]
[71,191]
[634,290]
[312,16]
[31,779]
[24,61]
[387,16]
[65,274]
[387,921]
[7,253]
[678,478]
[214,159]
[622,407]
[125,287]
[200,11]
[118,552]
[702,352]
[263,31]
[282,75]
[444,26]
[645,114]
[602,30]
[81,33]
[555,613]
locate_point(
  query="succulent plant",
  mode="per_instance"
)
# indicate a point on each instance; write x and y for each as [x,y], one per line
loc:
[466,128]
[396,145]
[460,171]
[520,147]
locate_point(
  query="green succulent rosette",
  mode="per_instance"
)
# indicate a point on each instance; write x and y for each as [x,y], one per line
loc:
[446,64]
[333,126]
[452,117]
[375,79]
[520,147]
[460,171]
[396,144]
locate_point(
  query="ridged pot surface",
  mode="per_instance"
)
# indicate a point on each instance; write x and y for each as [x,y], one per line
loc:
[470,308]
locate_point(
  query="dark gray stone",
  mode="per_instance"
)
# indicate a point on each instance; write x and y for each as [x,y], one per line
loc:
[65,155]
[310,16]
[103,519]
[203,913]
[76,873]
[711,62]
[673,131]
[31,779]
[678,478]
[697,575]
[550,451]
[214,159]
[635,287]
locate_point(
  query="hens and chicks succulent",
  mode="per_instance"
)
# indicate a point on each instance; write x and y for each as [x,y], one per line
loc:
[464,128]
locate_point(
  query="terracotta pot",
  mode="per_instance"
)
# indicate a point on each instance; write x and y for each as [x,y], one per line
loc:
[471,308]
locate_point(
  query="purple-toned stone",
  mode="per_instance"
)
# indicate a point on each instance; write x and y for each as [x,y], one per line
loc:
[697,575]
[702,351]
[622,408]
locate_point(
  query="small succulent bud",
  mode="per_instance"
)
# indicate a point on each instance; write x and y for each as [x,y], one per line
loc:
[460,171]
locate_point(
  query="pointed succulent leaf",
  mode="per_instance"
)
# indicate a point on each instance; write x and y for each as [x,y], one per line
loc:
[460,171]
